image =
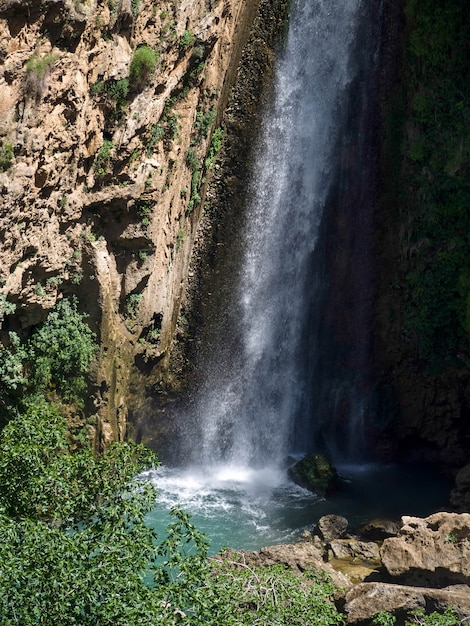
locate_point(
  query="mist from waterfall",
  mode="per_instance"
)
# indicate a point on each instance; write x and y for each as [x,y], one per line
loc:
[285,363]
[255,405]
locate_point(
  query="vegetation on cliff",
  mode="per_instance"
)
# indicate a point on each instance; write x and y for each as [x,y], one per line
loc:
[434,181]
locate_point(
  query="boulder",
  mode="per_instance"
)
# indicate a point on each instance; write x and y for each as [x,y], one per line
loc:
[331,527]
[431,551]
[366,599]
[367,551]
[298,557]
[380,529]
[460,495]
[315,473]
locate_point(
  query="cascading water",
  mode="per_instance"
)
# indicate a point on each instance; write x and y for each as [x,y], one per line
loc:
[260,398]
[250,410]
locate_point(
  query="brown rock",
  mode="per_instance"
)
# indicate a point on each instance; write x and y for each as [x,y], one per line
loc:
[299,557]
[331,527]
[460,495]
[366,599]
[433,550]
[379,529]
[355,549]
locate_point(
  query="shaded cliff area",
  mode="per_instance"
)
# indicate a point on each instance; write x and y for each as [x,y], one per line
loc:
[421,322]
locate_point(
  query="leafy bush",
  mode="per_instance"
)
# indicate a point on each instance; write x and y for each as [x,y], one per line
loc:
[143,64]
[191,159]
[60,351]
[187,39]
[204,122]
[132,304]
[434,179]
[57,356]
[6,156]
[75,549]
[103,158]
[241,595]
[216,145]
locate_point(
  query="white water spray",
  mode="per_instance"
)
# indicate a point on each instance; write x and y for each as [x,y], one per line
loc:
[251,400]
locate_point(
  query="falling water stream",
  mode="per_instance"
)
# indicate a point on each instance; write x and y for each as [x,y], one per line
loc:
[256,409]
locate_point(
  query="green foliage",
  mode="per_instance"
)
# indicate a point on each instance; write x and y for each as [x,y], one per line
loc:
[103,158]
[204,122]
[60,352]
[135,7]
[114,91]
[37,70]
[383,618]
[180,238]
[187,39]
[434,179]
[40,66]
[143,64]
[132,304]
[448,618]
[40,478]
[56,357]
[144,211]
[191,159]
[75,549]
[195,196]
[12,374]
[239,595]
[216,145]
[6,156]
[156,132]
[6,307]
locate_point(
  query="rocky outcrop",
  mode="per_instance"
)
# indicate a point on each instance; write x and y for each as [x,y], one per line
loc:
[103,166]
[433,551]
[299,557]
[330,527]
[424,568]
[366,599]
[315,473]
[460,495]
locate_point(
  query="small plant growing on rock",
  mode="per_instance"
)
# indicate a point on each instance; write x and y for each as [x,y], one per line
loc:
[143,64]
[37,71]
[102,160]
[132,304]
[6,156]
[187,39]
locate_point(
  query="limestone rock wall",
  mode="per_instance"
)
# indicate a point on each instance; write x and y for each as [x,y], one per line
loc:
[102,173]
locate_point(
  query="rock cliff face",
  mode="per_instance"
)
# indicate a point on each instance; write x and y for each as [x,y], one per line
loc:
[108,111]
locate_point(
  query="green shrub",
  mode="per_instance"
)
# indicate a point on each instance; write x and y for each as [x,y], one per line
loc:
[56,357]
[191,159]
[187,39]
[204,122]
[157,132]
[103,158]
[6,156]
[60,352]
[132,304]
[143,64]
[216,145]
[75,549]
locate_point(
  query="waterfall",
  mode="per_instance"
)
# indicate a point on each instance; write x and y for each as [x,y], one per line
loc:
[257,403]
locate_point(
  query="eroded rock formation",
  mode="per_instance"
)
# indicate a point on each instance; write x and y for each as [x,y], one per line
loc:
[103,169]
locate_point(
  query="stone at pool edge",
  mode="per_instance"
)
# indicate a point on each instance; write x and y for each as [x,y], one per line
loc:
[315,473]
